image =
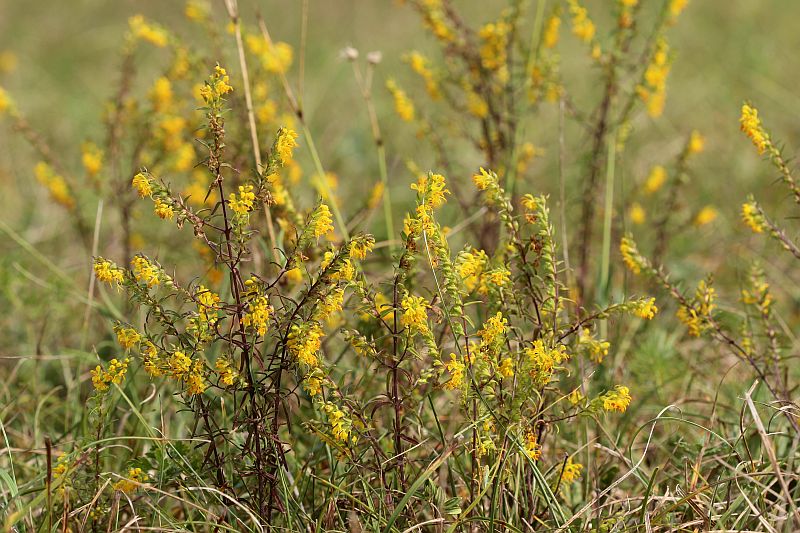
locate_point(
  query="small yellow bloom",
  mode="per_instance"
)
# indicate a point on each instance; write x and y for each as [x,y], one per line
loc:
[657,177]
[415,315]
[697,143]
[617,400]
[287,141]
[163,209]
[637,213]
[751,214]
[402,103]
[707,215]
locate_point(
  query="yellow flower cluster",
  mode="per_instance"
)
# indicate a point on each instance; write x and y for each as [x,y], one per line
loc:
[456,369]
[631,256]
[421,65]
[751,125]
[55,184]
[752,216]
[706,215]
[304,343]
[142,185]
[286,142]
[217,86]
[493,333]
[276,57]
[403,105]
[653,91]
[163,209]
[697,314]
[183,369]
[244,203]
[91,158]
[144,271]
[161,95]
[493,50]
[596,349]
[361,246]
[571,472]
[227,375]
[147,31]
[207,302]
[322,221]
[101,379]
[340,426]
[135,478]
[127,337]
[550,36]
[617,400]
[655,180]
[108,272]
[257,316]
[5,101]
[696,144]
[582,26]
[543,360]
[532,447]
[432,190]
[646,308]
[415,314]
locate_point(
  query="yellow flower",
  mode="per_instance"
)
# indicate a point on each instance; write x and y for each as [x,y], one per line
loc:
[227,375]
[751,214]
[101,379]
[571,472]
[360,247]
[697,143]
[145,271]
[493,50]
[477,105]
[751,126]
[456,369]
[258,315]
[646,308]
[596,349]
[676,7]
[135,478]
[312,385]
[415,315]
[507,367]
[402,103]
[706,215]
[55,184]
[244,203]
[550,36]
[207,301]
[657,177]
[127,337]
[163,209]
[637,213]
[532,447]
[322,221]
[631,256]
[142,185]
[304,343]
[92,158]
[582,26]
[432,189]
[141,29]
[287,141]
[419,64]
[493,332]
[161,95]
[617,400]
[107,271]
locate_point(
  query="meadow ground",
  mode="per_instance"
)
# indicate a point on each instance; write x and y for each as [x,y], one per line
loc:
[496,266]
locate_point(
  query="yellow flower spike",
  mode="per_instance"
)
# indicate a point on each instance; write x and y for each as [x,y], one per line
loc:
[646,308]
[550,36]
[750,124]
[135,478]
[751,215]
[144,271]
[402,103]
[415,315]
[287,141]
[456,369]
[582,27]
[148,32]
[161,95]
[163,209]
[91,158]
[617,400]
[108,272]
